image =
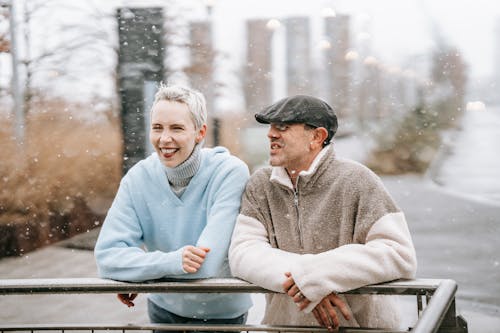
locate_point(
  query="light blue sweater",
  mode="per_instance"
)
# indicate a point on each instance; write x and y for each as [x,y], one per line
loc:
[147,227]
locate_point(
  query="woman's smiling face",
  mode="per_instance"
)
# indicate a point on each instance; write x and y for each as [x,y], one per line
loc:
[173,133]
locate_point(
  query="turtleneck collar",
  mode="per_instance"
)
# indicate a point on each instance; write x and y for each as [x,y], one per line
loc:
[180,176]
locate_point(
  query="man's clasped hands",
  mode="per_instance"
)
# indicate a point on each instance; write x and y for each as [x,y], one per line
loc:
[324,312]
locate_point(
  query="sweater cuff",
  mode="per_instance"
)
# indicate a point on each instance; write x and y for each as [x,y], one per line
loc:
[311,306]
[313,290]
[178,269]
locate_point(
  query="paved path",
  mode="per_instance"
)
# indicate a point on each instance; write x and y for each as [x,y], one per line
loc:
[455,238]
[470,162]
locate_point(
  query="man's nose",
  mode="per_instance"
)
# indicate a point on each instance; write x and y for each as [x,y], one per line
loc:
[272,133]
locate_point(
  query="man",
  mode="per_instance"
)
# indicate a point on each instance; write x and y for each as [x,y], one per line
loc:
[314,225]
[174,214]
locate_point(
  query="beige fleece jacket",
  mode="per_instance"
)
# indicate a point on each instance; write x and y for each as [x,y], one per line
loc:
[338,231]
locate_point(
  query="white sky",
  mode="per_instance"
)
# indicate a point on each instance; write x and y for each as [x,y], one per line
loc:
[398,28]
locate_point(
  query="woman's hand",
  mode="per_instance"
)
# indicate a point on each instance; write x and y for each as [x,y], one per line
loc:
[193,257]
[127,299]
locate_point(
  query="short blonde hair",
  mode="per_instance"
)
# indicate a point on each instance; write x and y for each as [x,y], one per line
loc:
[194,100]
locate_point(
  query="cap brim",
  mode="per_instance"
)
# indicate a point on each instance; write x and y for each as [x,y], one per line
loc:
[261,119]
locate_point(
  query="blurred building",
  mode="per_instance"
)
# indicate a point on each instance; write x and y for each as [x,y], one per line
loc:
[201,73]
[496,64]
[337,66]
[257,80]
[298,58]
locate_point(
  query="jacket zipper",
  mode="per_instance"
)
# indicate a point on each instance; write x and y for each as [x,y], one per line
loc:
[296,204]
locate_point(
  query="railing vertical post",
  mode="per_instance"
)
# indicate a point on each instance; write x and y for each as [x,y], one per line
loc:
[419,305]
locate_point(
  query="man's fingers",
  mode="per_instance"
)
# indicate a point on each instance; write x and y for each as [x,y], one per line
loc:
[299,297]
[324,316]
[337,301]
[304,304]
[330,310]
[289,282]
[315,312]
[293,291]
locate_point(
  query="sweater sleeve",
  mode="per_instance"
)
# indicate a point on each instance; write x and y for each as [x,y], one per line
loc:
[253,259]
[388,254]
[252,256]
[119,249]
[222,214]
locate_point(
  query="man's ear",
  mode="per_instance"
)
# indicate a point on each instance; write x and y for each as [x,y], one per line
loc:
[320,135]
[201,133]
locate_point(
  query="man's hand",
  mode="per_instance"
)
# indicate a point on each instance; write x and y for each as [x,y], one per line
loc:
[193,257]
[325,312]
[127,299]
[294,292]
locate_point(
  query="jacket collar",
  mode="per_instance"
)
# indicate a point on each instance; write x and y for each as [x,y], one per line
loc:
[280,176]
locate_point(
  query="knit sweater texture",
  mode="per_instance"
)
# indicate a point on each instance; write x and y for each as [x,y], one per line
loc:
[148,226]
[339,230]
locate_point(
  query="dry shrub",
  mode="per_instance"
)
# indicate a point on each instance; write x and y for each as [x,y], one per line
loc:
[67,158]
[410,148]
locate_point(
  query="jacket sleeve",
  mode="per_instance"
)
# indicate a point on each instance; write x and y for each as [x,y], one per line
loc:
[119,249]
[253,259]
[222,213]
[387,254]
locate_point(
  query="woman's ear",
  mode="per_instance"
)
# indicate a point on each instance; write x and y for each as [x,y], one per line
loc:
[201,133]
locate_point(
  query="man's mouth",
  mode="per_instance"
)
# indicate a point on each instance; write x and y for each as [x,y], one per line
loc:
[275,145]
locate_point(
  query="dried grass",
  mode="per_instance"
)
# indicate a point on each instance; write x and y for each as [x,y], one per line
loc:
[65,159]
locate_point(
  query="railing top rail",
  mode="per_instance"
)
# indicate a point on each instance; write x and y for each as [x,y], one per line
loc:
[189,327]
[229,285]
[443,293]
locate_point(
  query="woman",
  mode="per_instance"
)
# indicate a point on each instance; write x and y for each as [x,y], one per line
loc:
[174,214]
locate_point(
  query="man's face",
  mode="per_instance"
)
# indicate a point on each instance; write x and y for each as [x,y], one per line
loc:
[290,146]
[173,133]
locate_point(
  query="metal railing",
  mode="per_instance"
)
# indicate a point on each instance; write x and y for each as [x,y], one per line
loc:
[438,315]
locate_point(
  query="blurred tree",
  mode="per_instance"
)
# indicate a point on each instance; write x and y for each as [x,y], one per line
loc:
[75,40]
[4,39]
[412,142]
[449,74]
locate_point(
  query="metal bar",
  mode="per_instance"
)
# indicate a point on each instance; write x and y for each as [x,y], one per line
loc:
[419,305]
[188,327]
[436,308]
[96,285]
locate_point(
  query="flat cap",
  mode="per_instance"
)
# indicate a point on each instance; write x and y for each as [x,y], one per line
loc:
[300,109]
